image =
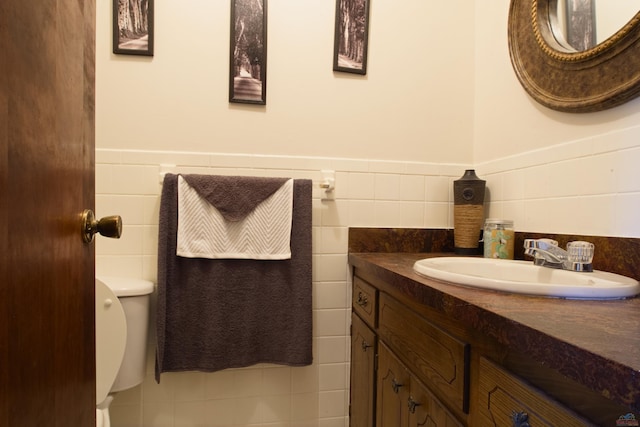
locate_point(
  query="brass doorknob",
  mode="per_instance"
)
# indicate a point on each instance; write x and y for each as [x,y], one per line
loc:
[109,226]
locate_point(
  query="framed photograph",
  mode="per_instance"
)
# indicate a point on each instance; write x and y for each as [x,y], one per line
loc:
[351,35]
[248,52]
[133,27]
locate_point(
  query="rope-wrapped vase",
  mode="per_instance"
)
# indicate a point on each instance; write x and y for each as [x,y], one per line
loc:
[468,212]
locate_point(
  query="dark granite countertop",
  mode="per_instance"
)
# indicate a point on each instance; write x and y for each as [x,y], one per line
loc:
[596,343]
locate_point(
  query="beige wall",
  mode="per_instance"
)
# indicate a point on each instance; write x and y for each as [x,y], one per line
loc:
[415,103]
[439,96]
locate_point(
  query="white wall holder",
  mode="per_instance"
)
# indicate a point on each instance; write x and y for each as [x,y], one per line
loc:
[328,184]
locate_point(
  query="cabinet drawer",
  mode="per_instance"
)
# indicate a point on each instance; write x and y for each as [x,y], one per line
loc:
[365,301]
[504,396]
[438,359]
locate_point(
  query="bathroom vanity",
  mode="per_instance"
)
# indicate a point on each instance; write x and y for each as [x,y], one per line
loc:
[426,352]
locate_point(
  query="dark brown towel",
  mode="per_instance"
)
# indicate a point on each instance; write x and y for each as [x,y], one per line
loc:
[234,196]
[218,314]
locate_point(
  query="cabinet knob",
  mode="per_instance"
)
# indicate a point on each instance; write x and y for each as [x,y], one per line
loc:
[362,299]
[395,385]
[365,345]
[412,404]
[520,419]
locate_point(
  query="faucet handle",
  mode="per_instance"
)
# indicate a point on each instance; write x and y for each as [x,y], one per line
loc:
[543,244]
[548,242]
[545,252]
[580,252]
[580,255]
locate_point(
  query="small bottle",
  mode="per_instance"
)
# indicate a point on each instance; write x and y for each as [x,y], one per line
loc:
[498,238]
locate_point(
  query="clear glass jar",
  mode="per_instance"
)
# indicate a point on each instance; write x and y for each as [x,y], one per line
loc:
[498,237]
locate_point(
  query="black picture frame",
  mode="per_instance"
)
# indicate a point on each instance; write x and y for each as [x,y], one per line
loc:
[133,27]
[248,52]
[351,37]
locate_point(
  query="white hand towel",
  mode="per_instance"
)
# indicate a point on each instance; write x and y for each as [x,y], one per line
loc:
[264,233]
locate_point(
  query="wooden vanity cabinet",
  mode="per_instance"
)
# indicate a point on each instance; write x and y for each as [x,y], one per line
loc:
[384,392]
[412,367]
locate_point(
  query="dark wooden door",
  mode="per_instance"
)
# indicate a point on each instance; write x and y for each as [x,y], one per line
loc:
[47,338]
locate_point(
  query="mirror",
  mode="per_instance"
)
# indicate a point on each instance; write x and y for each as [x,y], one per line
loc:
[562,77]
[574,24]
[582,24]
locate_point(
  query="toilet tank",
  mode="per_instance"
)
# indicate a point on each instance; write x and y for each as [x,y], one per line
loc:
[134,295]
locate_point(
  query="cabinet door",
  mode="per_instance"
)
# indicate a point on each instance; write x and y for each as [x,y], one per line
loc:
[425,410]
[403,401]
[507,400]
[393,390]
[437,358]
[363,357]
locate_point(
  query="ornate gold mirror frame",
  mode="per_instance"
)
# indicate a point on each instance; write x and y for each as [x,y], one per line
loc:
[602,77]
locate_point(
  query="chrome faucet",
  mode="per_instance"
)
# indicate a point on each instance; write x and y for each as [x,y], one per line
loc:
[547,253]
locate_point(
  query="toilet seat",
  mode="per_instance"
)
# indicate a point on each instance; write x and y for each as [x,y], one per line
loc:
[111,338]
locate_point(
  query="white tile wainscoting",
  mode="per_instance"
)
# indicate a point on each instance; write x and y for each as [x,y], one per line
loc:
[368,193]
[584,187]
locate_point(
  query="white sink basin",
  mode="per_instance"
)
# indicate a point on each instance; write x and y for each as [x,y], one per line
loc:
[523,277]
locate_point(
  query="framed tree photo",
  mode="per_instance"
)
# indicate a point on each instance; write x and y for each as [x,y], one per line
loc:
[351,36]
[133,27]
[248,52]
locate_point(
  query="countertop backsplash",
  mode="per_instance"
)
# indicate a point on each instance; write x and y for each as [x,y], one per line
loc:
[613,254]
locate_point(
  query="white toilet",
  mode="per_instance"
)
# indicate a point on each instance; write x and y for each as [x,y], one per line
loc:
[122,319]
